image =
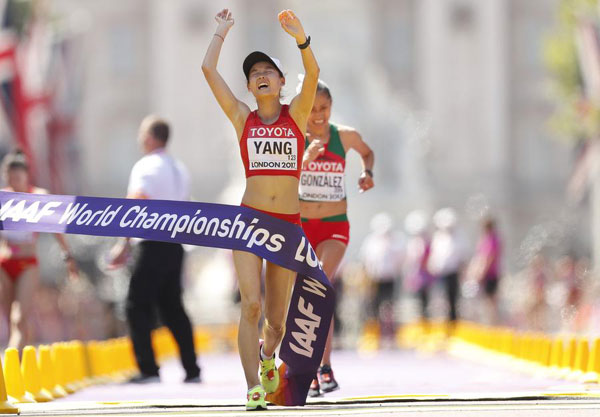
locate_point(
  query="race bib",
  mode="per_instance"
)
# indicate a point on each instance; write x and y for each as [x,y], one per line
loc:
[272,153]
[323,181]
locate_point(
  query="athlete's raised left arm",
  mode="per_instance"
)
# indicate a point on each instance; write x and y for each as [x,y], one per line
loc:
[301,105]
[353,140]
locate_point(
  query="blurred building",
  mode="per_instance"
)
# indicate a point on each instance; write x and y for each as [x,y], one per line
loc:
[449,93]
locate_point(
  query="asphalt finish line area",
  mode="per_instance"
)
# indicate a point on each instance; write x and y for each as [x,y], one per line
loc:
[385,382]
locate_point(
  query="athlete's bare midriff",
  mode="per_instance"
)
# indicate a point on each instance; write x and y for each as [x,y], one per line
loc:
[278,194]
[320,209]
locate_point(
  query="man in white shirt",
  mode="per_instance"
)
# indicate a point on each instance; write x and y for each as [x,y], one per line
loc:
[156,279]
[447,257]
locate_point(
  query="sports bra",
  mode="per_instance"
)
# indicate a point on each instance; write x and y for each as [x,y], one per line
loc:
[274,149]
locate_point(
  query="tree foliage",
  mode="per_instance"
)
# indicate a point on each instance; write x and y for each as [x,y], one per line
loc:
[575,116]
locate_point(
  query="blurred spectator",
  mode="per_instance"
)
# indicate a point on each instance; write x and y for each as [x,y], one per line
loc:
[447,257]
[566,270]
[354,306]
[576,308]
[485,266]
[538,276]
[418,280]
[19,266]
[381,255]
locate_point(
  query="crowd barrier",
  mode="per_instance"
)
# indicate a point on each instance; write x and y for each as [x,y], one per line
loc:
[55,371]
[563,356]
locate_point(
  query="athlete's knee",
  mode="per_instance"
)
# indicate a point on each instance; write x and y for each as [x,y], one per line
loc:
[17,313]
[251,310]
[20,323]
[275,327]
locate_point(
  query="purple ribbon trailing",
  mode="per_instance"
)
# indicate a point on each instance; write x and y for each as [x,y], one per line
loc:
[202,224]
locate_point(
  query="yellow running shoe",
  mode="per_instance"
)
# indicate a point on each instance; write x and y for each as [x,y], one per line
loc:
[269,377]
[256,399]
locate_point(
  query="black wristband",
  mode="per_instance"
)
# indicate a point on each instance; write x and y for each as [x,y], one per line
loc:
[305,44]
[368,172]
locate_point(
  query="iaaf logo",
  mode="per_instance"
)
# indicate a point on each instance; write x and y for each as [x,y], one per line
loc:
[308,325]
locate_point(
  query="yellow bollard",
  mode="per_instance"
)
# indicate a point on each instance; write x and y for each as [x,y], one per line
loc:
[83,373]
[130,357]
[71,369]
[60,367]
[369,341]
[539,354]
[581,359]
[507,341]
[5,406]
[13,377]
[171,345]
[568,359]
[68,359]
[102,363]
[159,344]
[48,377]
[556,354]
[526,347]
[515,345]
[75,371]
[592,374]
[203,341]
[546,349]
[529,353]
[32,378]
[95,362]
[124,365]
[115,357]
[108,365]
[111,361]
[534,349]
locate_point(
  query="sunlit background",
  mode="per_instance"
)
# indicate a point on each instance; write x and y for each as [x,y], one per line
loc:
[488,107]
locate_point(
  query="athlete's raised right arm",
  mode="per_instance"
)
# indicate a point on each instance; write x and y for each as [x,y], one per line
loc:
[235,110]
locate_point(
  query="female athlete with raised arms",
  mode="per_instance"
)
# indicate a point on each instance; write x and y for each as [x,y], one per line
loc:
[271,186]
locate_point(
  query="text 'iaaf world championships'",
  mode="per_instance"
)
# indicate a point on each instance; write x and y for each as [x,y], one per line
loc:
[140,217]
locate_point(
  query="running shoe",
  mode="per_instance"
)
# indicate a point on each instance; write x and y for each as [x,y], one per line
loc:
[269,377]
[326,379]
[314,390]
[256,399]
